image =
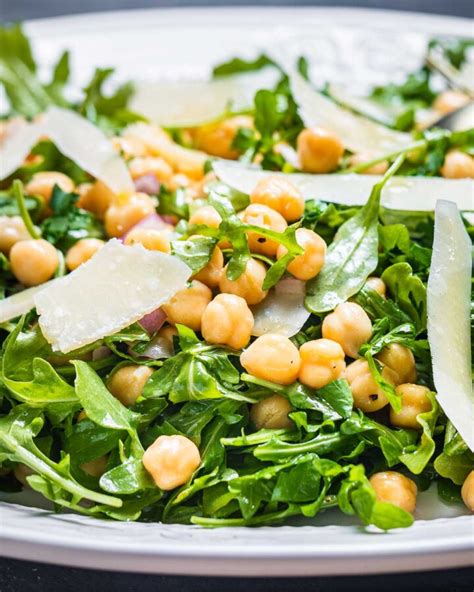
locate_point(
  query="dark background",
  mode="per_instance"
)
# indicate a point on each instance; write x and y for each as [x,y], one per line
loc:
[22,576]
[23,9]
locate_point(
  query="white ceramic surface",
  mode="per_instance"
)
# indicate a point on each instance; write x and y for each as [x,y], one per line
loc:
[357,46]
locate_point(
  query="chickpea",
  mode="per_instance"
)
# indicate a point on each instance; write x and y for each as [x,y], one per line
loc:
[119,218]
[458,165]
[376,169]
[207,215]
[401,360]
[171,461]
[150,165]
[216,139]
[280,195]
[97,467]
[178,181]
[248,285]
[201,188]
[449,101]
[309,264]
[467,491]
[367,395]
[349,325]
[12,230]
[187,306]
[168,333]
[322,361]
[414,401]
[377,284]
[33,262]
[272,357]
[319,150]
[43,184]
[127,383]
[82,251]
[396,489]
[260,215]
[95,198]
[151,238]
[182,160]
[129,146]
[271,413]
[227,320]
[211,274]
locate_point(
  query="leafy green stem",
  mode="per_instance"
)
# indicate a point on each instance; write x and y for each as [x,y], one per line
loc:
[20,199]
[360,168]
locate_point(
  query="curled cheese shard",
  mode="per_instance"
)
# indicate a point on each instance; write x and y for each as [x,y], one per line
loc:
[400,193]
[356,132]
[21,303]
[74,136]
[115,288]
[283,310]
[177,104]
[86,145]
[449,304]
[19,139]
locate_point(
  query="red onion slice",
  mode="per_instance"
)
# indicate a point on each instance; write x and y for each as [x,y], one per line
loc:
[154,321]
[148,184]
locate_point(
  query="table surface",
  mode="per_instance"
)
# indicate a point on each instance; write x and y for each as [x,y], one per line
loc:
[35,577]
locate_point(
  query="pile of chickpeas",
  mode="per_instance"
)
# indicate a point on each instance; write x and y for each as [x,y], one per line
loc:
[220,308]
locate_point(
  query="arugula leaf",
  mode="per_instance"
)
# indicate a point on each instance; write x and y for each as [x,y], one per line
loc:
[417,460]
[356,496]
[238,66]
[235,231]
[18,75]
[108,111]
[99,404]
[196,251]
[408,291]
[456,467]
[68,224]
[351,257]
[199,371]
[85,441]
[17,433]
[333,401]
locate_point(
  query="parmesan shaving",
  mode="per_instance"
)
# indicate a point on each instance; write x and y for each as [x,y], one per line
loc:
[117,287]
[400,193]
[449,312]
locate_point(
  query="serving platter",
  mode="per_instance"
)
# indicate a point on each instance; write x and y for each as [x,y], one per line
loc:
[357,47]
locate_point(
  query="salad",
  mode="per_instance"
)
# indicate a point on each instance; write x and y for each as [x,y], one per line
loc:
[233,302]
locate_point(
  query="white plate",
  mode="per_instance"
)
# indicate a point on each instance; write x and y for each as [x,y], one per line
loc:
[359,46]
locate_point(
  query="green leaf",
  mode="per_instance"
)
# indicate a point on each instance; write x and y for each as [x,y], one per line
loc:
[85,441]
[270,109]
[26,94]
[456,467]
[408,291]
[196,252]
[356,496]
[127,478]
[99,404]
[238,66]
[417,460]
[45,388]
[68,224]
[351,257]
[17,432]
